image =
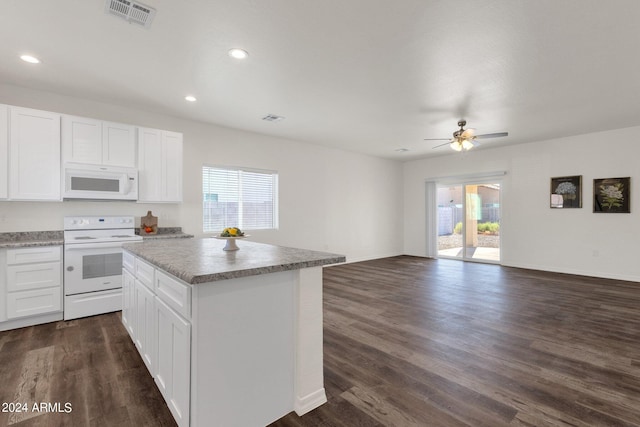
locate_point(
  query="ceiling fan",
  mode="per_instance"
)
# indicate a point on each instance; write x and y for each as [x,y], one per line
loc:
[465,139]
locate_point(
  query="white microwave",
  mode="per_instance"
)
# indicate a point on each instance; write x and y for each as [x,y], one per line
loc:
[97,182]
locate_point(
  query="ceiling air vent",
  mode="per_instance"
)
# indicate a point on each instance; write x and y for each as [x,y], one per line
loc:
[132,11]
[272,118]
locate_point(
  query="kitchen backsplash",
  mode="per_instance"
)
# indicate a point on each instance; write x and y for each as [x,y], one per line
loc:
[37,216]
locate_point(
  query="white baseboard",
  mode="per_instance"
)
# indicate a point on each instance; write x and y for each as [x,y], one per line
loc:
[309,402]
[30,321]
[351,260]
[577,272]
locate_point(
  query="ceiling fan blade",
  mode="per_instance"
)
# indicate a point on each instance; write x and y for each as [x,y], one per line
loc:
[437,139]
[441,145]
[492,135]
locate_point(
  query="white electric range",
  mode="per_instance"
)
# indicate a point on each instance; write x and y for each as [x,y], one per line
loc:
[93,263]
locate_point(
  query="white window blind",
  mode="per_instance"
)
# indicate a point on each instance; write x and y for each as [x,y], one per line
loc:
[242,198]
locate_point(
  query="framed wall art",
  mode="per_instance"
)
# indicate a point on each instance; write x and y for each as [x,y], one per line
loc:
[566,192]
[611,195]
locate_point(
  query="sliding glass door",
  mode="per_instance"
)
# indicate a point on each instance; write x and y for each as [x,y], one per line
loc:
[469,221]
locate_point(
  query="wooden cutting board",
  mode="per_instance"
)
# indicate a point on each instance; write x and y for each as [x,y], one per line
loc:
[148,221]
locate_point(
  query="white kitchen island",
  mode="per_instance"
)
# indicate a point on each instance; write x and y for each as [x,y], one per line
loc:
[231,338]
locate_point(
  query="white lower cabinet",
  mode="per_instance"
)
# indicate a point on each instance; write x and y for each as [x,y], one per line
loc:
[156,312]
[146,328]
[33,276]
[173,373]
[128,300]
[31,285]
[31,303]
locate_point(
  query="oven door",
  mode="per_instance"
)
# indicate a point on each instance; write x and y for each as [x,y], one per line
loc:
[92,267]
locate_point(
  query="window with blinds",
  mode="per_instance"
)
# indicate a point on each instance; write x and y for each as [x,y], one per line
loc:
[242,198]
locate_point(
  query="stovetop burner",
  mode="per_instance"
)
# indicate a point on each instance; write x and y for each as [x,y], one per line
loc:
[99,229]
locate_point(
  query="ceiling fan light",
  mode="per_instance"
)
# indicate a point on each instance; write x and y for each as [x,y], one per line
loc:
[467,145]
[455,145]
[468,133]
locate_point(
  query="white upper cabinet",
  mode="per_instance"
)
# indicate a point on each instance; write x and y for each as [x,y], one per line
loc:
[159,166]
[4,151]
[118,144]
[149,165]
[81,140]
[172,166]
[34,149]
[96,142]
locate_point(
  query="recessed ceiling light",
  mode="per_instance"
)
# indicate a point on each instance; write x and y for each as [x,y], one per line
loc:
[30,59]
[190,98]
[238,53]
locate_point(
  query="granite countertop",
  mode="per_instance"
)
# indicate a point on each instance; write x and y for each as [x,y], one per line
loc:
[203,260]
[165,233]
[27,239]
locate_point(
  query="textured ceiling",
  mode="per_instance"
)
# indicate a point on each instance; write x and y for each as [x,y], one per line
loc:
[370,76]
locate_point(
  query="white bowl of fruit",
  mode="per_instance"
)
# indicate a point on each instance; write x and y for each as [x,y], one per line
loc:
[231,234]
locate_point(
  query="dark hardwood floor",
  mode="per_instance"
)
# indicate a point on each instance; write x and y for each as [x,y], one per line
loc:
[90,363]
[408,342]
[417,342]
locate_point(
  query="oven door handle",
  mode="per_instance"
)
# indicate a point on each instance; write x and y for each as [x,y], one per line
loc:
[82,246]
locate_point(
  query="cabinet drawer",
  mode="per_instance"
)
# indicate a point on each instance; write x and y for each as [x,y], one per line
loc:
[175,294]
[33,276]
[29,303]
[128,261]
[92,303]
[144,273]
[38,254]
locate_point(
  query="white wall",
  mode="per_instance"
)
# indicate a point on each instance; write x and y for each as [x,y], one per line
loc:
[533,235]
[330,199]
[354,204]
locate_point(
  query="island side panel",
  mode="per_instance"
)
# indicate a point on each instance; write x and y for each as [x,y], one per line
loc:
[243,359]
[309,377]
